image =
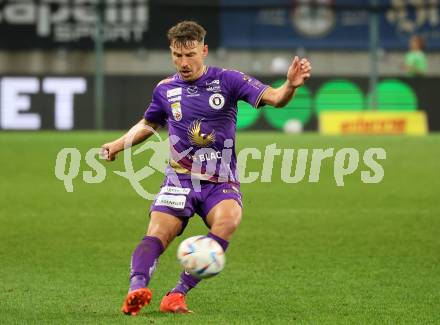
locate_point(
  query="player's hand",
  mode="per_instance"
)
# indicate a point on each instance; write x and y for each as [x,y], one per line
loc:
[299,71]
[108,152]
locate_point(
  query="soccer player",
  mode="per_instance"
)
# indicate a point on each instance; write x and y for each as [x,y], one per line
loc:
[199,106]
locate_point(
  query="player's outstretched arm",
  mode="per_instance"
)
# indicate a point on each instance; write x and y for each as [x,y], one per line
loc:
[138,133]
[299,71]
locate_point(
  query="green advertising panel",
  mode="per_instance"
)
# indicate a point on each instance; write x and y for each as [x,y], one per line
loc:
[299,108]
[395,95]
[340,95]
[332,95]
[247,115]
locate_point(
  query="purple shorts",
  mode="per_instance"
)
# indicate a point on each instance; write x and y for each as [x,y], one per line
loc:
[184,201]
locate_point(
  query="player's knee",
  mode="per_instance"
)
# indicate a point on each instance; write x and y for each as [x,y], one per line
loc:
[235,221]
[228,223]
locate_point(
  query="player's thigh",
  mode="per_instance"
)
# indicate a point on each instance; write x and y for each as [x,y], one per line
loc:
[164,226]
[224,218]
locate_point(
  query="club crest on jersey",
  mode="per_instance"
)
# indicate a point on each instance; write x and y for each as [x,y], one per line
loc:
[177,111]
[216,101]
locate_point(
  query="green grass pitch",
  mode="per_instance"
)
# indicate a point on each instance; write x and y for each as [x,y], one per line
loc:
[308,253]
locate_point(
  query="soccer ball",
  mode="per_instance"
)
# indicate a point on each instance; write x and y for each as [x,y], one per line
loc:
[201,256]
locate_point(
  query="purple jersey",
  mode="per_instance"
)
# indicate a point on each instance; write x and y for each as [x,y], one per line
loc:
[201,116]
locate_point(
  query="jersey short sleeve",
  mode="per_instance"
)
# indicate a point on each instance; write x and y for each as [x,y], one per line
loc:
[244,87]
[156,111]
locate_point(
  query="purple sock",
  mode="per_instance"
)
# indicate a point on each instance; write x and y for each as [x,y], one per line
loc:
[143,261]
[187,281]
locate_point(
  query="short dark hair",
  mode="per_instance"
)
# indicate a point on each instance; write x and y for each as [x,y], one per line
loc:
[185,33]
[420,41]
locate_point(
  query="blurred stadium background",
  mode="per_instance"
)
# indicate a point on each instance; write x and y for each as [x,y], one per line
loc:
[364,253]
[357,49]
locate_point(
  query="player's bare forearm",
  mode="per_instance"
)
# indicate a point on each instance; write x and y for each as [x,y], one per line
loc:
[299,71]
[138,133]
[279,97]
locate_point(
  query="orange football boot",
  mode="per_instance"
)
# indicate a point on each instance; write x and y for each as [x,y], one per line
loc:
[135,300]
[174,302]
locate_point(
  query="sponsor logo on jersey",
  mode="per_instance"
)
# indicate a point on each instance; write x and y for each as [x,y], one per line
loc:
[177,111]
[213,82]
[174,92]
[214,155]
[173,201]
[192,91]
[175,99]
[197,137]
[216,101]
[214,89]
[174,190]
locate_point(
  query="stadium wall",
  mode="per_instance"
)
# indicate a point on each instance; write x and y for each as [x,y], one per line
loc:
[67,102]
[158,62]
